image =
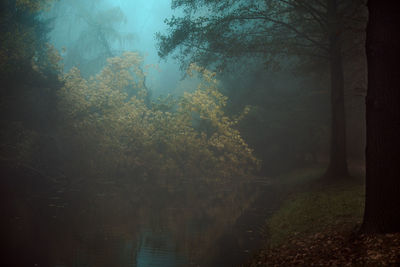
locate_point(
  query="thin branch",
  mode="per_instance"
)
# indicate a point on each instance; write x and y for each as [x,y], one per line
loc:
[282,23]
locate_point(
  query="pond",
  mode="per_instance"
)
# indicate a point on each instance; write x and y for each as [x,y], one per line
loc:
[62,229]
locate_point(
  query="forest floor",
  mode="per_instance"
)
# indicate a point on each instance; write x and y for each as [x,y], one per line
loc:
[317,225]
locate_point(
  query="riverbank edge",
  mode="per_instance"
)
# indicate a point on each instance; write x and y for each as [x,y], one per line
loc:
[317,225]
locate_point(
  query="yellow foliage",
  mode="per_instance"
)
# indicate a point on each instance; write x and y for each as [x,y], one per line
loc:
[51,61]
[154,143]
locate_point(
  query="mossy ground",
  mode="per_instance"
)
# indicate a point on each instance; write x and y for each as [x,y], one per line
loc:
[310,212]
[317,225]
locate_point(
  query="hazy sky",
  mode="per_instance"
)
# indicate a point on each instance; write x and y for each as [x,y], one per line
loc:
[144,19]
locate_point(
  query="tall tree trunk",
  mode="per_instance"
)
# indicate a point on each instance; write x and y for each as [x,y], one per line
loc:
[382,204]
[338,162]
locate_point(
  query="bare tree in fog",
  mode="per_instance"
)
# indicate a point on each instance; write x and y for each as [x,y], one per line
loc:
[97,34]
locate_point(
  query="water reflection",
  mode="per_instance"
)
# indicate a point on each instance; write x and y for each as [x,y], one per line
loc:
[152,248]
[103,250]
[195,228]
[158,249]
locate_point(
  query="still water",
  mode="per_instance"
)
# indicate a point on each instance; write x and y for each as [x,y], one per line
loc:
[150,249]
[157,249]
[45,227]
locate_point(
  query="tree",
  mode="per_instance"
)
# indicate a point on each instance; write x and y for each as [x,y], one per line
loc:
[28,86]
[24,52]
[382,202]
[90,34]
[294,30]
[23,38]
[168,146]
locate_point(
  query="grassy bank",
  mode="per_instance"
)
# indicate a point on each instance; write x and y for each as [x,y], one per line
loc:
[317,223]
[311,212]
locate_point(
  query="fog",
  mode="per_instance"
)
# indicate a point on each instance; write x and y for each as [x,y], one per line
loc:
[134,29]
[173,133]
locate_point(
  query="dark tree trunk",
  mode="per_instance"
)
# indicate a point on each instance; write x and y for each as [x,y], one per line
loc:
[338,163]
[382,205]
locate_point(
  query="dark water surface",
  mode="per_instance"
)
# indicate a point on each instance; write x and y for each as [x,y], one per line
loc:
[45,227]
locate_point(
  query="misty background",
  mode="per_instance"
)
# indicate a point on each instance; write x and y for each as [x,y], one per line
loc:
[289,119]
[117,149]
[125,26]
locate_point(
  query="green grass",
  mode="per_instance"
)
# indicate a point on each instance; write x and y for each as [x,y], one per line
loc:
[313,211]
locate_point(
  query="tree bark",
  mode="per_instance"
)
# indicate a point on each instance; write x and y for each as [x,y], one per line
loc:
[338,159]
[382,203]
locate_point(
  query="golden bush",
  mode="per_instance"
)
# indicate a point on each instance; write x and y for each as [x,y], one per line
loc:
[191,140]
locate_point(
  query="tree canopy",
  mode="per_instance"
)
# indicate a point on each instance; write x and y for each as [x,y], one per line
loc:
[285,32]
[215,32]
[152,142]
